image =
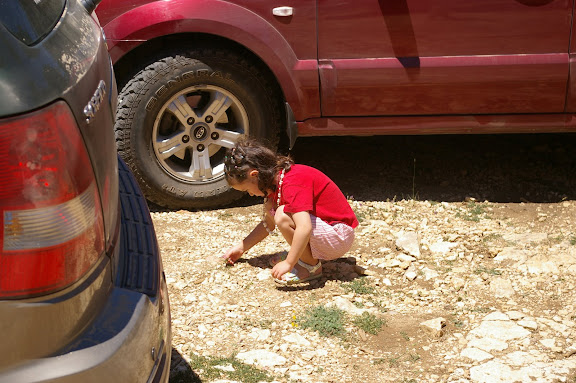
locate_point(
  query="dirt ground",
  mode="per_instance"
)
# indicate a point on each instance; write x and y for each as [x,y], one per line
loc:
[477,197]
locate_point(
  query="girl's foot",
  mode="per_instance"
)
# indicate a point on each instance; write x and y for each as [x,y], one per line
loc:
[302,272]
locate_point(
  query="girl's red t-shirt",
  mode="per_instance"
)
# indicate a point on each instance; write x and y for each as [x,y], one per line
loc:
[305,188]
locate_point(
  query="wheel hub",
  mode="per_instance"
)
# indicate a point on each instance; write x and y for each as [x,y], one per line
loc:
[200,132]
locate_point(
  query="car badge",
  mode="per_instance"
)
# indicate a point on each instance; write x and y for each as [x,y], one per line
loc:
[93,105]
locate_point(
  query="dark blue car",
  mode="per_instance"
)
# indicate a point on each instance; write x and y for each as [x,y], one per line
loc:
[83,296]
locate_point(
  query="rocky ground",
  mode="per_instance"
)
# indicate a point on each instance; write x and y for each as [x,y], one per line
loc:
[463,268]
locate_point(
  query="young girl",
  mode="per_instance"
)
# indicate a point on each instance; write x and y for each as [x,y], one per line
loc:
[307,207]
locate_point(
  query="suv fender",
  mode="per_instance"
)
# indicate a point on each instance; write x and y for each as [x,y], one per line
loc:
[222,19]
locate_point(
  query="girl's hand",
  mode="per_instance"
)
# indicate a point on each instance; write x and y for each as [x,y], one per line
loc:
[233,254]
[281,268]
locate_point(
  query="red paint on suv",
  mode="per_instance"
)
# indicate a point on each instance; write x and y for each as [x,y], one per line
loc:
[319,68]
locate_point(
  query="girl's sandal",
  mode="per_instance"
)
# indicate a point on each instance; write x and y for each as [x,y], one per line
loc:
[295,276]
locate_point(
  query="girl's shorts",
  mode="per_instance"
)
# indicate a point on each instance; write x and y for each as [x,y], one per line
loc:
[330,242]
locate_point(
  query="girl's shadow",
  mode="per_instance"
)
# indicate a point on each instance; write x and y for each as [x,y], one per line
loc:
[342,269]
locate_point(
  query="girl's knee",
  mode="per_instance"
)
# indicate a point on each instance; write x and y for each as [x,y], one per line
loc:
[282,219]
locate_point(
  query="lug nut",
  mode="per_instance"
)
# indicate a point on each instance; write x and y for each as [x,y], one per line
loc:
[200,148]
[185,138]
[214,136]
[209,119]
[190,120]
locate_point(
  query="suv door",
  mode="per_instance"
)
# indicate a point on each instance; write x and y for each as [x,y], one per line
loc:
[419,57]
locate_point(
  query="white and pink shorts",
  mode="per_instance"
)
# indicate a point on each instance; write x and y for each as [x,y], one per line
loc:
[330,242]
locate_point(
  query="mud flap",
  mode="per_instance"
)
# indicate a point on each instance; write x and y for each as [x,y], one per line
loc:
[291,126]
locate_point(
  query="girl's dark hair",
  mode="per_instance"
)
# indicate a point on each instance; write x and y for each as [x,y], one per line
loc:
[250,154]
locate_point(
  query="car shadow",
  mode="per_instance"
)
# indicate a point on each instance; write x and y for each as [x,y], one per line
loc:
[181,371]
[497,168]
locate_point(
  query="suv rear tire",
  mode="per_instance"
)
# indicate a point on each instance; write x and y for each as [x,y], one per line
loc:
[177,116]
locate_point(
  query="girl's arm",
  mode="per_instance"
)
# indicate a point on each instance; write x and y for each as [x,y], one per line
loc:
[301,238]
[256,235]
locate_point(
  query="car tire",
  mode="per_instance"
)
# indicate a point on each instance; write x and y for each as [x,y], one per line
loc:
[177,116]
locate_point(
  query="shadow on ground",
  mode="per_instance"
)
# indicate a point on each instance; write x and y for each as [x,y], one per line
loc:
[497,168]
[180,370]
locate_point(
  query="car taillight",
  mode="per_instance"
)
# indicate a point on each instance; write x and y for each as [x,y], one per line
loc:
[50,215]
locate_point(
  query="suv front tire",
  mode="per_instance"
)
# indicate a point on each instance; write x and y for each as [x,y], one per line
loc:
[177,116]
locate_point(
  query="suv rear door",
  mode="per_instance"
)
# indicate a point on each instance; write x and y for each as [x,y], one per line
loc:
[419,57]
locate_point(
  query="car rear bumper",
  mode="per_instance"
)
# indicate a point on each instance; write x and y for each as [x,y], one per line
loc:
[126,355]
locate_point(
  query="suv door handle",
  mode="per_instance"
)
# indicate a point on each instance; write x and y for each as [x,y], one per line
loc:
[283,11]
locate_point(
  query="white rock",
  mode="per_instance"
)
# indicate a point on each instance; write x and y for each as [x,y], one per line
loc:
[429,273]
[549,343]
[502,288]
[494,372]
[297,339]
[410,275]
[259,335]
[408,241]
[529,324]
[345,305]
[405,258]
[434,326]
[476,354]
[542,263]
[515,315]
[261,358]
[442,248]
[488,344]
[227,367]
[512,255]
[263,275]
[496,315]
[502,330]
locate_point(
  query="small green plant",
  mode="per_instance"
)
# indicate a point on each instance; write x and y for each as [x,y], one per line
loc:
[224,215]
[360,286]
[480,310]
[360,215]
[573,240]
[486,270]
[414,357]
[393,362]
[458,323]
[492,237]
[474,213]
[370,323]
[328,321]
[405,335]
[212,368]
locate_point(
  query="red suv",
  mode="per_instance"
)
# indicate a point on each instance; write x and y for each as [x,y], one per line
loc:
[196,75]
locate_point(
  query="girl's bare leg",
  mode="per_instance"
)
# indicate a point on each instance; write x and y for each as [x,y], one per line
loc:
[286,225]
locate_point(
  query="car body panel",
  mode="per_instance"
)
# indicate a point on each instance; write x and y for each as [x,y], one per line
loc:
[414,57]
[112,349]
[269,38]
[42,319]
[571,96]
[420,125]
